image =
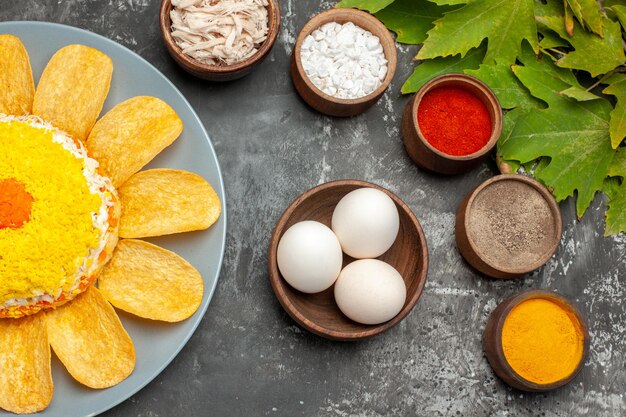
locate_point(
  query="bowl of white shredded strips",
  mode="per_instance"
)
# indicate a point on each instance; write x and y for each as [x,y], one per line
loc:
[219,40]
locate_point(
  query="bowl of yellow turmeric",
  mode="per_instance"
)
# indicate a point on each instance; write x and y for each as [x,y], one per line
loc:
[536,341]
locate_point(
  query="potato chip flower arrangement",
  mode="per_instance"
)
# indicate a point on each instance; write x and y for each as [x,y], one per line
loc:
[73,203]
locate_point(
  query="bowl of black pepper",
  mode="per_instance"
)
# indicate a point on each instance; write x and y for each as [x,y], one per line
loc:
[508,226]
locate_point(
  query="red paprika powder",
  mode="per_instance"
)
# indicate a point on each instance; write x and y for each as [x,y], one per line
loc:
[454,121]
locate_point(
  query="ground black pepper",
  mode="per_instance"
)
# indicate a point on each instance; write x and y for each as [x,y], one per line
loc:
[511,225]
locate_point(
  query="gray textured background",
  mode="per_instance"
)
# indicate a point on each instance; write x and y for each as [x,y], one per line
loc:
[248,358]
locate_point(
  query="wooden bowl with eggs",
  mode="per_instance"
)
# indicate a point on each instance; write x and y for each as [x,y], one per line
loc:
[319,313]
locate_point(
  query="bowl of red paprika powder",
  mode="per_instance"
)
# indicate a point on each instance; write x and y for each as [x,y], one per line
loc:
[451,124]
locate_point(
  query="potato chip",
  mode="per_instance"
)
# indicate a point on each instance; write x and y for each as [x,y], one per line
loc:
[151,282]
[25,374]
[72,89]
[164,201]
[17,87]
[89,339]
[131,134]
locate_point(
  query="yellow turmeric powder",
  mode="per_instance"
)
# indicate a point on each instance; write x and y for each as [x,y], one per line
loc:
[542,341]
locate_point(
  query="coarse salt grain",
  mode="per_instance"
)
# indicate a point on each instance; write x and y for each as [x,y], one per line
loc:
[344,61]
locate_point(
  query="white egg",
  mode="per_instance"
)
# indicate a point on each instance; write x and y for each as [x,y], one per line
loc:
[366,222]
[309,256]
[370,291]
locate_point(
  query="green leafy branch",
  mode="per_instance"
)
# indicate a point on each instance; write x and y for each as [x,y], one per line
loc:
[558,68]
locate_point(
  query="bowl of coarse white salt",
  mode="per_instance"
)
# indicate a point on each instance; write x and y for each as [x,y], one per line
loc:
[343,61]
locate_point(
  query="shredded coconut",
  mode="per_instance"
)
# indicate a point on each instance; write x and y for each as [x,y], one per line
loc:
[219,32]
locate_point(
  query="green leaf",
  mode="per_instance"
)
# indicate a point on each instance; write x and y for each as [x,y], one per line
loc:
[611,186]
[591,53]
[551,40]
[504,22]
[510,92]
[560,75]
[512,95]
[554,79]
[576,141]
[573,135]
[611,3]
[620,13]
[617,88]
[616,212]
[411,19]
[588,14]
[371,6]
[451,2]
[434,67]
[550,8]
[569,20]
[579,94]
[508,125]
[618,166]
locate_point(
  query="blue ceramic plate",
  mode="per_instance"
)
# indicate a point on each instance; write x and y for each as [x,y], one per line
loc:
[156,343]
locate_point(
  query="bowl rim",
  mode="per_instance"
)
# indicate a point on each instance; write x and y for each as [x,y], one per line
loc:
[516,300]
[165,22]
[554,209]
[278,282]
[328,16]
[487,92]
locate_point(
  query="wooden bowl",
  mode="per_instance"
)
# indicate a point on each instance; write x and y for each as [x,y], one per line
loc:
[428,157]
[319,313]
[492,341]
[219,72]
[323,102]
[471,251]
